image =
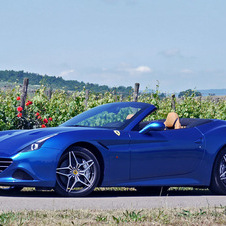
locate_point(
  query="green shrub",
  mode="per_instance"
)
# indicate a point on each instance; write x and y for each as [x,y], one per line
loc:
[64,105]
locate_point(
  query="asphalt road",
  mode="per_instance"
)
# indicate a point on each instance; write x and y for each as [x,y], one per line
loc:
[37,200]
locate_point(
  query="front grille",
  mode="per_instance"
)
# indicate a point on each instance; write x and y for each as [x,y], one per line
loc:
[5,163]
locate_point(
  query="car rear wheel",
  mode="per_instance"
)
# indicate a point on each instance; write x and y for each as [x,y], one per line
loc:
[218,180]
[77,173]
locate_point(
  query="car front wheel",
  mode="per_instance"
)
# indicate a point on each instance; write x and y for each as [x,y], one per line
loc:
[218,180]
[77,173]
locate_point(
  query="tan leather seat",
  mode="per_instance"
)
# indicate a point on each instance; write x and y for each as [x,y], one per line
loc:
[172,121]
[129,116]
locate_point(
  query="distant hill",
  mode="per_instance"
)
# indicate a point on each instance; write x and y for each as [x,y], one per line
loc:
[59,82]
[213,92]
[210,92]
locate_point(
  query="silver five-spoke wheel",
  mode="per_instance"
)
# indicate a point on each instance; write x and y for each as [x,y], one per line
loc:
[218,181]
[77,173]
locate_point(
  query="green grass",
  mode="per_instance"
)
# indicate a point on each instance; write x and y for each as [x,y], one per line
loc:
[155,216]
[160,216]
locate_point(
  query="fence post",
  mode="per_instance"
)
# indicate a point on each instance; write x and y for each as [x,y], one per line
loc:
[86,98]
[49,93]
[121,98]
[173,102]
[24,92]
[115,95]
[200,101]
[136,91]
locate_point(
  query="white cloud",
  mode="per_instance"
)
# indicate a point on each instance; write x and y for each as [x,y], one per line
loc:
[135,70]
[65,74]
[104,69]
[172,53]
[119,1]
[187,71]
[143,69]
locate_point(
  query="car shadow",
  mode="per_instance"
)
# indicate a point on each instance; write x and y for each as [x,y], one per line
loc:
[110,193]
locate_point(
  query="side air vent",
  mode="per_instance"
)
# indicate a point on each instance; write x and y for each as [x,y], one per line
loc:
[21,175]
[5,163]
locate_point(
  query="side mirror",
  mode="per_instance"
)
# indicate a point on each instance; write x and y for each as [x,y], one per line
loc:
[153,126]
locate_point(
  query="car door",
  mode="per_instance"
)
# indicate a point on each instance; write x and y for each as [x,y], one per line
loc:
[165,153]
[118,166]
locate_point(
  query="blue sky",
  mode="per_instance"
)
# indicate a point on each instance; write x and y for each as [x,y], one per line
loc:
[180,43]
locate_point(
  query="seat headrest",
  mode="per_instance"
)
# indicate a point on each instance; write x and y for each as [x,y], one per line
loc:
[129,116]
[172,121]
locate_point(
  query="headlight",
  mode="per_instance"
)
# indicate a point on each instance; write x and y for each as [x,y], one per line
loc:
[37,145]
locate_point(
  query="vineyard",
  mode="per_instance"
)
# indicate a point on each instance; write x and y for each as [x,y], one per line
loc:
[42,111]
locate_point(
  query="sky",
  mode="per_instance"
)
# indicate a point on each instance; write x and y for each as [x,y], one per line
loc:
[180,44]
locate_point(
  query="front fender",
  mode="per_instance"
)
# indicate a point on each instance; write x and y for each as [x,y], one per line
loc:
[215,138]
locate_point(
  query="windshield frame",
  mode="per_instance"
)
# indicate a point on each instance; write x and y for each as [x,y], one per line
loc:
[96,110]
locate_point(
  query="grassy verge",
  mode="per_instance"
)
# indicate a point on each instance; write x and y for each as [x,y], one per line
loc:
[204,216]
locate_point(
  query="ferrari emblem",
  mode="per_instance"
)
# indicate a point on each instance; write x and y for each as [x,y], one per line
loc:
[117,132]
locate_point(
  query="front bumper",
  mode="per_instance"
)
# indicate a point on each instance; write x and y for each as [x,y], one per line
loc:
[31,169]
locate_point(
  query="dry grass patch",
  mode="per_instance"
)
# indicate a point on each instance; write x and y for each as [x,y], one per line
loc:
[160,216]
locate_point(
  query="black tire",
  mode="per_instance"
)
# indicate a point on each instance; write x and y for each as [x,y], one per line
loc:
[152,190]
[218,183]
[81,176]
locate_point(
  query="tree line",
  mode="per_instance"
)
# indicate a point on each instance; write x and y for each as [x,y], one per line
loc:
[59,83]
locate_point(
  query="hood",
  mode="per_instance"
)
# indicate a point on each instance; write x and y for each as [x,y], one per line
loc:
[12,141]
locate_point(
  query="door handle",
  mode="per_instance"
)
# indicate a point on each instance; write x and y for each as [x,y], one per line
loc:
[199,141]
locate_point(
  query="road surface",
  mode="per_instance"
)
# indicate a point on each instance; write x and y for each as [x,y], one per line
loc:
[107,200]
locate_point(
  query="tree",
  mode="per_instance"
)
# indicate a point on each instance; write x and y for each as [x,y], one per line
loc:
[189,93]
[59,83]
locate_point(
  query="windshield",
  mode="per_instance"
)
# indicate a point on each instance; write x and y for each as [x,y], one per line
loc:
[114,116]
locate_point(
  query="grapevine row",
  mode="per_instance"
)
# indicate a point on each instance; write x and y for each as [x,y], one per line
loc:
[40,111]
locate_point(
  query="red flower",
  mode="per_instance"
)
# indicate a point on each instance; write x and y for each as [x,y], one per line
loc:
[43,126]
[45,120]
[39,117]
[19,115]
[19,109]
[18,98]
[29,103]
[37,114]
[50,118]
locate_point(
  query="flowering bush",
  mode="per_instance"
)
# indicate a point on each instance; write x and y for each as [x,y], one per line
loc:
[29,119]
[41,112]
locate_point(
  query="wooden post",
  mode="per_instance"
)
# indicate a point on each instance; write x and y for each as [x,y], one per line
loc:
[49,93]
[24,92]
[200,101]
[173,102]
[136,91]
[86,98]
[121,98]
[115,95]
[100,96]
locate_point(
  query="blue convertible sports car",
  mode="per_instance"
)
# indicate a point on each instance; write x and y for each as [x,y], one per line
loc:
[116,145]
